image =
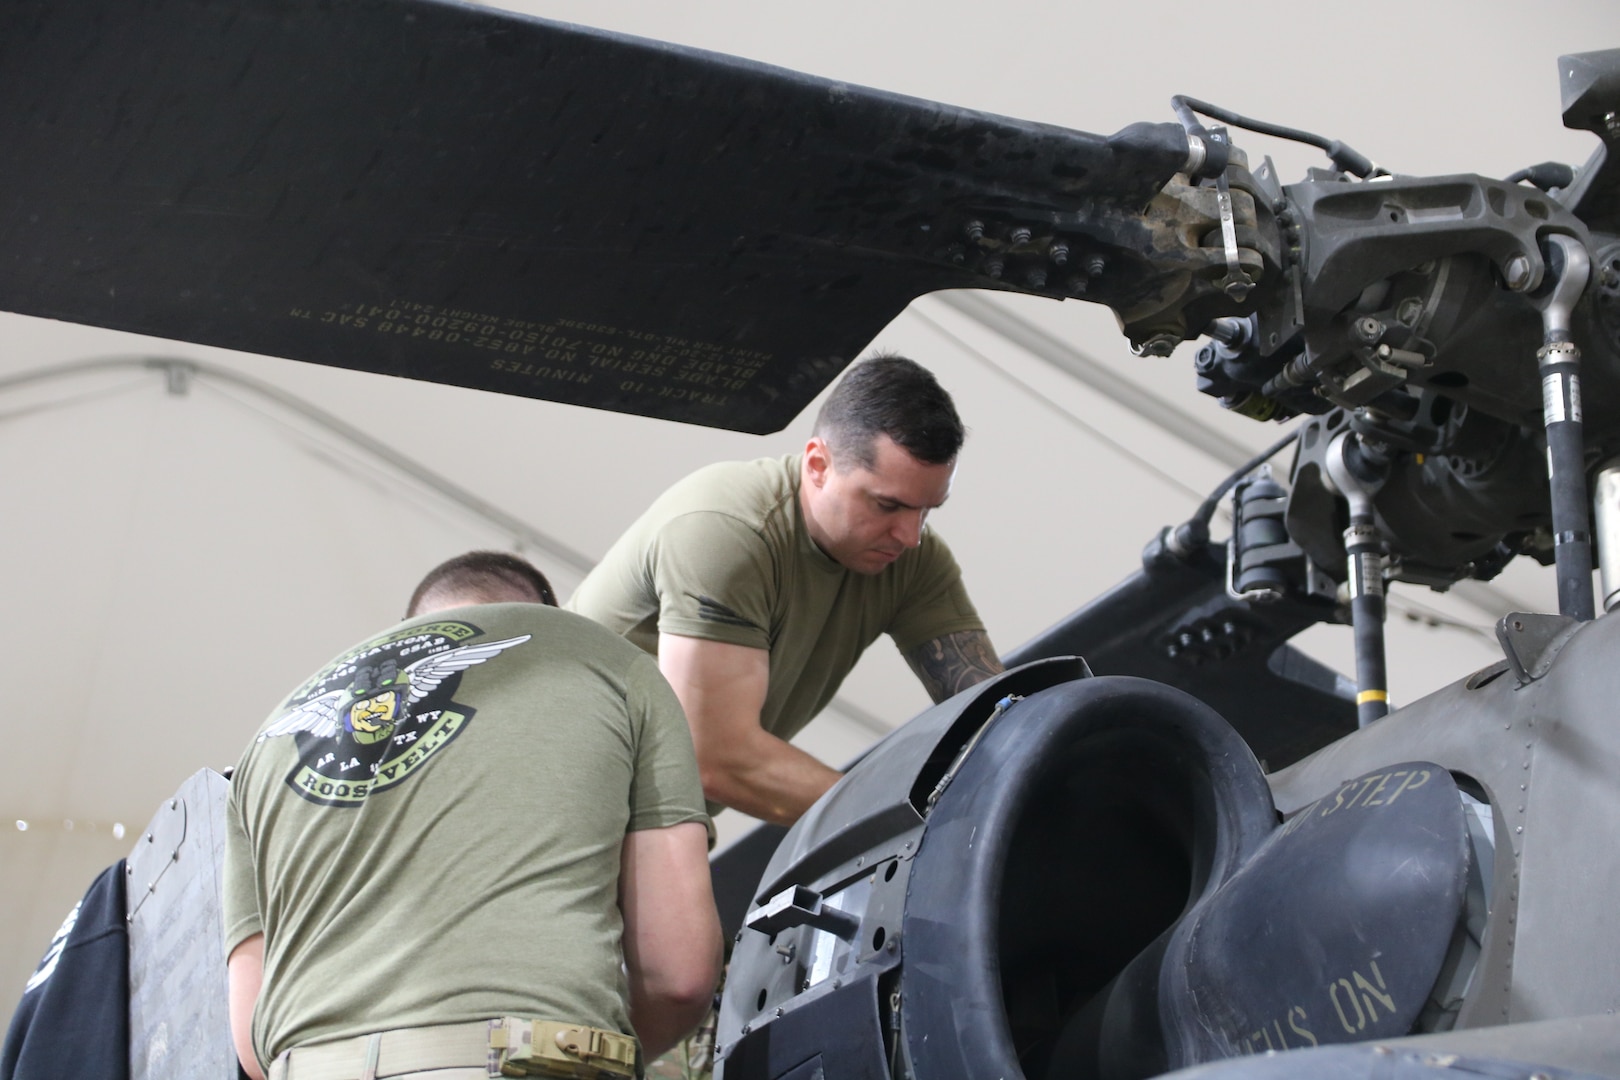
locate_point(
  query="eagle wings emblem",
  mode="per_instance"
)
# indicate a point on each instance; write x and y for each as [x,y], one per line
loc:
[324,716]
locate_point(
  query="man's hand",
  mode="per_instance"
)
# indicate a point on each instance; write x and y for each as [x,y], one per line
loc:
[245,975]
[671,932]
[722,688]
[948,665]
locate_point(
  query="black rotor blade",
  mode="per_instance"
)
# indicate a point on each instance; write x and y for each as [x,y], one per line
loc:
[456,194]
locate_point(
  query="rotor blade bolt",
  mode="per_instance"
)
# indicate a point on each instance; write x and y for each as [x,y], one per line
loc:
[1036,278]
[1075,285]
[1516,273]
[1094,265]
[1059,253]
[1611,120]
[993,267]
[1161,344]
[1020,235]
[974,230]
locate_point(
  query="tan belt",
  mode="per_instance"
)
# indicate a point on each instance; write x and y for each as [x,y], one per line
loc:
[504,1047]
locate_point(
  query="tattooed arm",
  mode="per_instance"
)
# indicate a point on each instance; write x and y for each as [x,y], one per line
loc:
[950,664]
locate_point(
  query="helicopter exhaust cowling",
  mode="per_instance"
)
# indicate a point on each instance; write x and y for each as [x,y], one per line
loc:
[1101,889]
[1082,828]
[1074,832]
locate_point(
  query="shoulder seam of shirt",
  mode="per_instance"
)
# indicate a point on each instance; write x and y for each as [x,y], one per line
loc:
[755,527]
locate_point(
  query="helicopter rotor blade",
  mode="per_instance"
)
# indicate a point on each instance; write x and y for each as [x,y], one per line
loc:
[473,197]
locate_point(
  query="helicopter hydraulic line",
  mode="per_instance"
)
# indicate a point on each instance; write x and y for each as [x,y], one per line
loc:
[1560,360]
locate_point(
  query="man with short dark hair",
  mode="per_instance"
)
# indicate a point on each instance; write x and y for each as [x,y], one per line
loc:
[481,577]
[758,584]
[475,839]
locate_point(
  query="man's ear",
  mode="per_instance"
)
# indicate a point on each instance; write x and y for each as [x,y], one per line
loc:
[817,461]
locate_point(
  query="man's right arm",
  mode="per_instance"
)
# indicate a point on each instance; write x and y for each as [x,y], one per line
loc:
[722,688]
[671,932]
[951,663]
[244,978]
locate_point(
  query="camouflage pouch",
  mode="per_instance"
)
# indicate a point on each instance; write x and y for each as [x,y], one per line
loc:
[569,1051]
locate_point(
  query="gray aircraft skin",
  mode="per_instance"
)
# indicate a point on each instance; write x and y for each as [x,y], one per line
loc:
[1080,868]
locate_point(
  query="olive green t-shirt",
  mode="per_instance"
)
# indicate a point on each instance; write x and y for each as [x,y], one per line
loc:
[428,831]
[724,555]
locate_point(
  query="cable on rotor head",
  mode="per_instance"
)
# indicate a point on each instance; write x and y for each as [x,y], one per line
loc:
[1344,158]
[1194,532]
[1546,176]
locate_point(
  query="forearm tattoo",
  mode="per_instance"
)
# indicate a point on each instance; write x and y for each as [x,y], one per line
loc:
[948,665]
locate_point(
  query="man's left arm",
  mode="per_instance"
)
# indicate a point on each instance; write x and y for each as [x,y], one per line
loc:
[949,664]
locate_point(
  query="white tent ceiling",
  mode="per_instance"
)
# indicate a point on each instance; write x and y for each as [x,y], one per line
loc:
[178,556]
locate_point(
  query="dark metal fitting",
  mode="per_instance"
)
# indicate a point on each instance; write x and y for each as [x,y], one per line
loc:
[974,231]
[799,906]
[1058,253]
[993,267]
[1158,345]
[1036,278]
[1019,235]
[1517,273]
[1095,264]
[1372,454]
[1404,357]
[1369,329]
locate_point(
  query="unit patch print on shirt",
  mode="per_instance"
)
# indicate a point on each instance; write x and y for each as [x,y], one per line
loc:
[376,715]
